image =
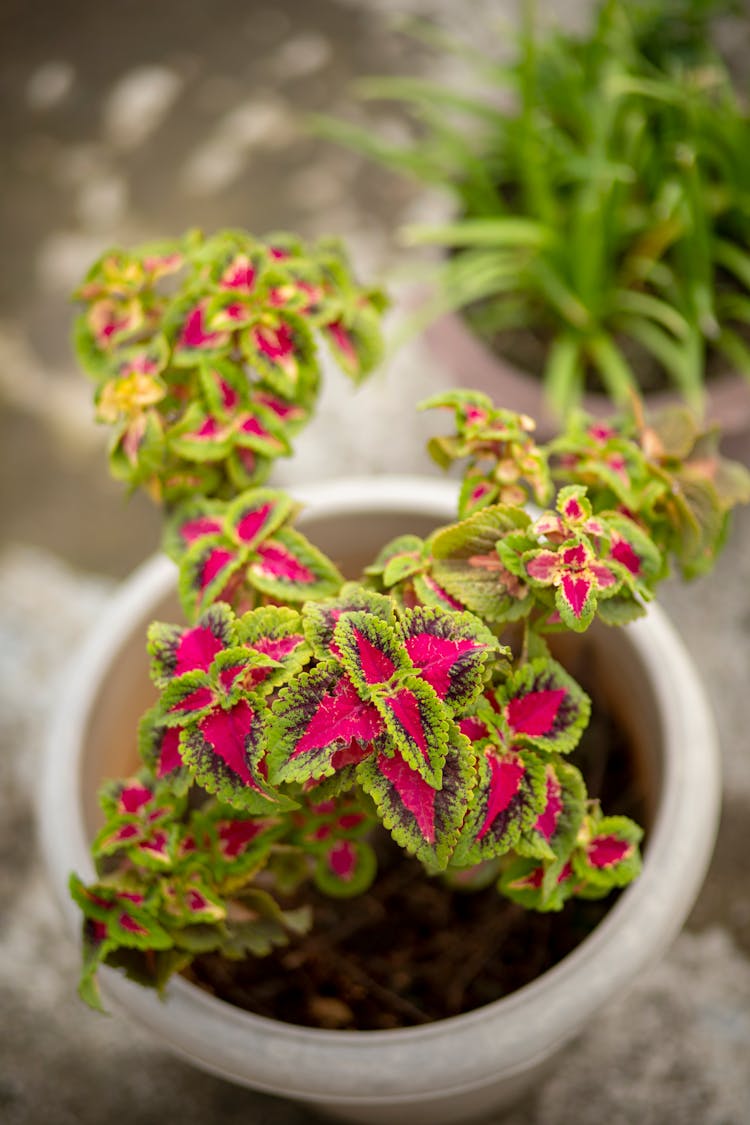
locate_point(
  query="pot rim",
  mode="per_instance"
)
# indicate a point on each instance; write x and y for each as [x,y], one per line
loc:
[505,1036]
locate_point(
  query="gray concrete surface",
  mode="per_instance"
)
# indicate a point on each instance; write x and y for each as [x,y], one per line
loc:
[133,120]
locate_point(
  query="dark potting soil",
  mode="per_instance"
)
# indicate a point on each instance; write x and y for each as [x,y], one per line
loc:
[410,950]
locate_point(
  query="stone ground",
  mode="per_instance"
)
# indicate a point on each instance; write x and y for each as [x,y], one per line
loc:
[132,121]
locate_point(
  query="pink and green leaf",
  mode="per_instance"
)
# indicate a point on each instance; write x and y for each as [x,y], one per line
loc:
[321,618]
[194,339]
[553,834]
[467,565]
[237,845]
[209,573]
[256,515]
[424,820]
[282,350]
[200,435]
[477,492]
[222,750]
[508,798]
[545,707]
[451,652]
[356,342]
[126,919]
[370,650]
[607,855]
[429,592]
[175,650]
[190,522]
[188,698]
[190,901]
[419,726]
[275,634]
[159,749]
[398,560]
[526,881]
[345,868]
[315,722]
[289,567]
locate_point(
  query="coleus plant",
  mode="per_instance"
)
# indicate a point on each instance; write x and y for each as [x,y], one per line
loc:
[205,353]
[300,716]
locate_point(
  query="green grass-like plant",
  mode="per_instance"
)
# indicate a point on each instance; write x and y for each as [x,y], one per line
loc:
[604,213]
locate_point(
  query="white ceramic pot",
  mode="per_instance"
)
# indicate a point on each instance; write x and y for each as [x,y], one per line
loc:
[451,1070]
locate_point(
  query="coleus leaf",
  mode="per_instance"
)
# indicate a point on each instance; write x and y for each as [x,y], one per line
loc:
[321,617]
[451,652]
[193,338]
[577,577]
[553,834]
[344,778]
[223,751]
[274,634]
[228,545]
[345,868]
[289,567]
[139,796]
[424,820]
[159,749]
[315,721]
[189,698]
[607,855]
[209,572]
[404,569]
[377,662]
[320,821]
[256,515]
[191,521]
[526,881]
[258,430]
[356,341]
[467,565]
[145,845]
[635,552]
[200,435]
[419,726]
[545,708]
[121,916]
[237,845]
[175,650]
[189,900]
[399,559]
[429,592]
[191,695]
[509,796]
[477,492]
[256,924]
[141,823]
[370,651]
[280,347]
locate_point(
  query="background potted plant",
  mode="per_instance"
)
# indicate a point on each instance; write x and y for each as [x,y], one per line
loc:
[299,715]
[600,234]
